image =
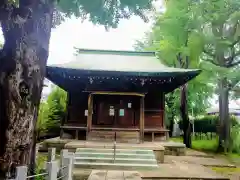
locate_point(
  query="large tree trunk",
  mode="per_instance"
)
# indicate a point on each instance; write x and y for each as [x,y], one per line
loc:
[224,120]
[184,114]
[23,63]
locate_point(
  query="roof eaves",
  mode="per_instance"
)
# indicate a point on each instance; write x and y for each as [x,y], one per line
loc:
[115,52]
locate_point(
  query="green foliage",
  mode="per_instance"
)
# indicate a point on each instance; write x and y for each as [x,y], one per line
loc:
[209,123]
[43,122]
[220,30]
[41,161]
[107,12]
[209,145]
[57,104]
[235,138]
[175,33]
[51,112]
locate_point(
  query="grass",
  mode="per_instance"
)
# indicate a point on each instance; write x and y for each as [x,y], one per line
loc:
[207,145]
[41,160]
[201,145]
[227,171]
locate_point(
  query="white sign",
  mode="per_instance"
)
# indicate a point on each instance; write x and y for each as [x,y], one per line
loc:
[86,112]
[129,105]
[111,112]
[121,112]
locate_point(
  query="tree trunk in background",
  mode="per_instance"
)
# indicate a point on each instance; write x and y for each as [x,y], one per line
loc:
[221,120]
[171,115]
[184,114]
[171,125]
[224,120]
[184,63]
[23,63]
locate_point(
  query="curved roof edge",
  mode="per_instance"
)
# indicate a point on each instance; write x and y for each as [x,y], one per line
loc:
[114,52]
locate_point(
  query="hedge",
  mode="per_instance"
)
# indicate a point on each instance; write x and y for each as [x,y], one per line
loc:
[207,124]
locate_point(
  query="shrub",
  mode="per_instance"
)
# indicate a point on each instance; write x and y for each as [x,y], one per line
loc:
[43,122]
[235,138]
[51,113]
[208,124]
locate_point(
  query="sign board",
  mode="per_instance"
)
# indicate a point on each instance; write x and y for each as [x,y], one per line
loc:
[121,112]
[86,112]
[111,111]
[129,105]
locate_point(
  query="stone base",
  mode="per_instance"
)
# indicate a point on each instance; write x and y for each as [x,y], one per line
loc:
[174,148]
[159,155]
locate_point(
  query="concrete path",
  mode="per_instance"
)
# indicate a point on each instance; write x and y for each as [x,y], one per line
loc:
[114,175]
[179,170]
[208,161]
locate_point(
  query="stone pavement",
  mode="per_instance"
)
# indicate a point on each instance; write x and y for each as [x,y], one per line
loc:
[206,161]
[114,175]
[179,170]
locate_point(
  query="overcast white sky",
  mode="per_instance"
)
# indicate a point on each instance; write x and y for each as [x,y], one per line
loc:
[74,33]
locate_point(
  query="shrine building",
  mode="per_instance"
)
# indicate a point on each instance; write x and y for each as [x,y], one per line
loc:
[116,95]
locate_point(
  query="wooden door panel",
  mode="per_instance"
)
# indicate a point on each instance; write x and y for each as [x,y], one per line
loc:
[127,120]
[117,102]
[103,114]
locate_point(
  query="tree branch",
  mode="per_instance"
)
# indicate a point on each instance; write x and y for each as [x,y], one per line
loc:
[212,61]
[208,53]
[234,54]
[233,64]
[235,42]
[17,15]
[233,84]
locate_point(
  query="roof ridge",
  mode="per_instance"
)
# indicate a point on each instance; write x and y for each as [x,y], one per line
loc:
[114,52]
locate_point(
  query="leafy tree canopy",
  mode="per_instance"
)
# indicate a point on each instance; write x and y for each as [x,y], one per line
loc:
[107,12]
[175,32]
[104,12]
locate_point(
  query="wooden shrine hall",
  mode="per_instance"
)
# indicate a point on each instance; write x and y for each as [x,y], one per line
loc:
[116,95]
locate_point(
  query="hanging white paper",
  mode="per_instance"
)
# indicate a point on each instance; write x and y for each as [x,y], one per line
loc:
[86,112]
[111,112]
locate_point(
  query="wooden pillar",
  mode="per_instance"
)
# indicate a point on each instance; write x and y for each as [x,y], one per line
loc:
[90,112]
[141,123]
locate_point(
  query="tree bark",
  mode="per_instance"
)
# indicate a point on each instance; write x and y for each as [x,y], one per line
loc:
[184,114]
[224,120]
[170,103]
[184,63]
[23,63]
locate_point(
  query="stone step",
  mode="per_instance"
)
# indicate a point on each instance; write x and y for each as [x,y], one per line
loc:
[114,166]
[110,155]
[128,151]
[117,160]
